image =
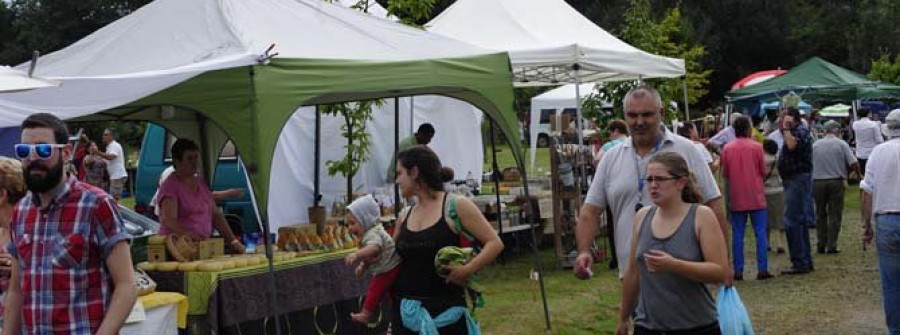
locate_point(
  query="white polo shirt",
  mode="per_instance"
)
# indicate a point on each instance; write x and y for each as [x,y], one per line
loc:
[615,184]
[116,166]
[882,180]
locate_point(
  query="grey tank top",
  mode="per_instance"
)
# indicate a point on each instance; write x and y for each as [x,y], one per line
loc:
[668,301]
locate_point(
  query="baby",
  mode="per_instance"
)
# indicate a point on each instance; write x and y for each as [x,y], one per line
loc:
[376,253]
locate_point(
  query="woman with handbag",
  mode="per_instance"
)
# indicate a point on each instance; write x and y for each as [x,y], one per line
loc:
[678,248]
[427,299]
[12,188]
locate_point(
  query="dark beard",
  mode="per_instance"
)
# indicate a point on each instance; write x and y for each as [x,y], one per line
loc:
[46,183]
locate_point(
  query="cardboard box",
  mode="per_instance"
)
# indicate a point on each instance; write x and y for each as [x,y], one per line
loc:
[156,253]
[211,248]
[565,119]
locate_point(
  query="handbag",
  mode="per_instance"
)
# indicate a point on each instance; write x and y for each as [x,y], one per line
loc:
[144,283]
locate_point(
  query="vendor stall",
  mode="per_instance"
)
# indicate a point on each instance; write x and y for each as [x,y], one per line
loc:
[157,313]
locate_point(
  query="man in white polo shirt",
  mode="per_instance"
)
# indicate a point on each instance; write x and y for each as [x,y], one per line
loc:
[115,165]
[619,180]
[881,200]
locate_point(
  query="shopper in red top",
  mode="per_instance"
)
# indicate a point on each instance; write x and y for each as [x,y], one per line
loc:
[744,168]
[71,266]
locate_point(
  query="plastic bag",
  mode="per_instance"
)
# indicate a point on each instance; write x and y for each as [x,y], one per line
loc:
[733,316]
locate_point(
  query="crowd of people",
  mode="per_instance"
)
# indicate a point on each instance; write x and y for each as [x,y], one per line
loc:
[787,175]
[66,266]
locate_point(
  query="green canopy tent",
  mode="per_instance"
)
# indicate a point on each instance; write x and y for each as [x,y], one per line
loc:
[207,70]
[815,80]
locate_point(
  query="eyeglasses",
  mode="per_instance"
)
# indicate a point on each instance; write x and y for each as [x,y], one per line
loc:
[43,150]
[659,180]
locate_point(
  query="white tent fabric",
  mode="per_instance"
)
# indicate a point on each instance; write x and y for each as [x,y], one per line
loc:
[545,38]
[557,99]
[292,167]
[14,80]
[169,41]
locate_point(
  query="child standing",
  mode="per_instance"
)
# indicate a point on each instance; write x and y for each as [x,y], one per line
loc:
[774,197]
[376,253]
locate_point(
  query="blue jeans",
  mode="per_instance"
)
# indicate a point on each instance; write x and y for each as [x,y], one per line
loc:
[887,242]
[759,220]
[799,216]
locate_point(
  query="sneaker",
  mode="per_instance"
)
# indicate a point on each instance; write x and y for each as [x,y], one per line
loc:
[764,275]
[780,250]
[820,249]
[738,276]
[833,251]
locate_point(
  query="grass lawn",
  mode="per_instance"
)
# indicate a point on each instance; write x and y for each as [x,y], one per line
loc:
[842,296]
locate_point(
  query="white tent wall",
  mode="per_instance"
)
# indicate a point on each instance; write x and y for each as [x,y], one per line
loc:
[558,99]
[457,131]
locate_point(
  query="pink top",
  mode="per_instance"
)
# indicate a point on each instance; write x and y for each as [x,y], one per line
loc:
[744,167]
[194,207]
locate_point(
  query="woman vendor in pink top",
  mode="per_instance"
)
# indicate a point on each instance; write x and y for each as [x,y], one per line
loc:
[187,206]
[744,167]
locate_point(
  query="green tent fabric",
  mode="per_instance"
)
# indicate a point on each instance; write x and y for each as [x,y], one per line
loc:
[817,79]
[251,104]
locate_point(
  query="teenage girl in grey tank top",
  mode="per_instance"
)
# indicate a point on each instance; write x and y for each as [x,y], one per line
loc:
[677,249]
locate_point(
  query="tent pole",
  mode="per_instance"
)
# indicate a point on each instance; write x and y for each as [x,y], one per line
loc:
[496,177]
[853,106]
[530,215]
[412,115]
[264,222]
[317,157]
[396,149]
[578,132]
[687,110]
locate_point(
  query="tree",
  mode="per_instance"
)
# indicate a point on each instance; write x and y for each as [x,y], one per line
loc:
[883,69]
[49,25]
[665,37]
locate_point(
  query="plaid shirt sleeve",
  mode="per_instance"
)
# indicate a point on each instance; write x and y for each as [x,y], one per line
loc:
[109,228]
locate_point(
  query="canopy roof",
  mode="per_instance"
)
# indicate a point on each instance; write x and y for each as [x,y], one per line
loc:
[838,110]
[545,38]
[12,80]
[195,67]
[817,79]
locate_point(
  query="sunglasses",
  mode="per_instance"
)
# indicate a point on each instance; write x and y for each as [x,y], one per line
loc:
[43,150]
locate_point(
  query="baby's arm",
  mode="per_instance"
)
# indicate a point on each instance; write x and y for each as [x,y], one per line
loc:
[367,254]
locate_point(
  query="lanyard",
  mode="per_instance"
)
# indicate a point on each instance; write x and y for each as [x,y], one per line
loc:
[637,168]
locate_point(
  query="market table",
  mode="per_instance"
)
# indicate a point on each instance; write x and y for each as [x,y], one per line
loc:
[227,298]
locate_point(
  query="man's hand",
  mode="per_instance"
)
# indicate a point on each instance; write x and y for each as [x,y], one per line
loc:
[582,266]
[867,235]
[351,259]
[787,122]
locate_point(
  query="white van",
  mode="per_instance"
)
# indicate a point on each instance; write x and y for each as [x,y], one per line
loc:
[543,128]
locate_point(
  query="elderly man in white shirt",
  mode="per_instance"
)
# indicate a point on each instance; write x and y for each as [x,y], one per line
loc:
[868,135]
[619,182]
[881,200]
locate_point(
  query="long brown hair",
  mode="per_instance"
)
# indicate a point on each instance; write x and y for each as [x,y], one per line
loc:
[677,167]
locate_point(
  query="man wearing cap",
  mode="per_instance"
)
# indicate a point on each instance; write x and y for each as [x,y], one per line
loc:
[881,199]
[832,160]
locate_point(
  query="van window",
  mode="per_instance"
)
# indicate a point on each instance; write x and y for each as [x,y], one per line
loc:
[228,150]
[545,115]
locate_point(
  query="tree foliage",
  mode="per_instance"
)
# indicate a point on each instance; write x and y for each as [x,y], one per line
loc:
[886,70]
[665,36]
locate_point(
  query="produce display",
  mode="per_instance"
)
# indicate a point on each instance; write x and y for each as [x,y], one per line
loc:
[184,251]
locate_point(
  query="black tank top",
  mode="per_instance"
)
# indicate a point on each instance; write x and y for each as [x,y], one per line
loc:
[417,278]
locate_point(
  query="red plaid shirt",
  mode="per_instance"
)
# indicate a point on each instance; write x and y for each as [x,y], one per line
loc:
[66,286]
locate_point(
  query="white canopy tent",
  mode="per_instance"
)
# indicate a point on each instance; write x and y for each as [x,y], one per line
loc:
[12,80]
[550,43]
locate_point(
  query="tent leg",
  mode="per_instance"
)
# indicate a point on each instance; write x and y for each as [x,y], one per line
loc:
[396,149]
[496,177]
[530,216]
[687,110]
[273,293]
[578,123]
[317,158]
[853,105]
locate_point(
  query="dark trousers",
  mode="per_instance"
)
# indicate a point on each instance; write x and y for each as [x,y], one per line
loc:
[862,167]
[829,195]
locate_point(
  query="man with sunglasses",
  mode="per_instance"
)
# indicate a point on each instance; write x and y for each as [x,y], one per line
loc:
[620,179]
[71,267]
[116,165]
